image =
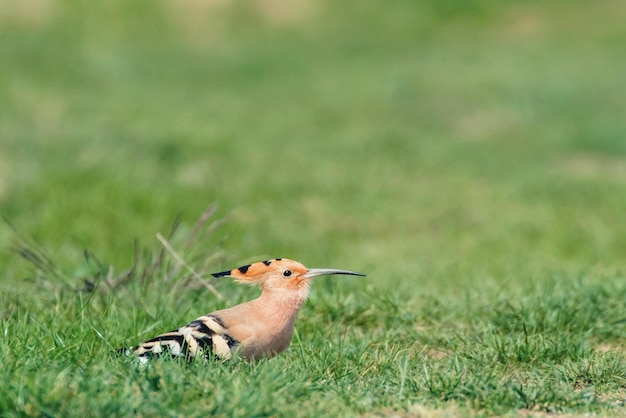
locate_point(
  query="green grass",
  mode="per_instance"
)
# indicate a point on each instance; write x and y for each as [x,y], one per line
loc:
[468,156]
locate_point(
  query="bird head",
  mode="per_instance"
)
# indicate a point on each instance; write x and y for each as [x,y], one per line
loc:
[279,274]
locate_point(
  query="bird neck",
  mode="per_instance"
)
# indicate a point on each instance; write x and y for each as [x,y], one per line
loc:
[281,305]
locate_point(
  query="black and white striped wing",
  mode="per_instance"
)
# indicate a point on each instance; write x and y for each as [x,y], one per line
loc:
[204,337]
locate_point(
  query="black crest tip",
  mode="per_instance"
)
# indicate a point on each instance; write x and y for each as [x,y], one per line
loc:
[244,269]
[221,274]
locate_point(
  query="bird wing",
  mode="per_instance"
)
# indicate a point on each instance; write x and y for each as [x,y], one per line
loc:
[205,336]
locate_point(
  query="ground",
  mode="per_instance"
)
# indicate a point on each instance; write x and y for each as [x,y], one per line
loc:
[468,156]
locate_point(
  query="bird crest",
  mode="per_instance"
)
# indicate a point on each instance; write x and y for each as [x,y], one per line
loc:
[251,271]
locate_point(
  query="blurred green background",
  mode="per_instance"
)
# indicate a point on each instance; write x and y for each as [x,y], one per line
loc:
[434,145]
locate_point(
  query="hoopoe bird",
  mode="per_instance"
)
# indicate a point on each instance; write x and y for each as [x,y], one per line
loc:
[260,328]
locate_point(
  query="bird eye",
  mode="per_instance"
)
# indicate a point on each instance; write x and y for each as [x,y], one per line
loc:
[287,273]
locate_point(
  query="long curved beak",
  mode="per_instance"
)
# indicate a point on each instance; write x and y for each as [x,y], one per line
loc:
[324,272]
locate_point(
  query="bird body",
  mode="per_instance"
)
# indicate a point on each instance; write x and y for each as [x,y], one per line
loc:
[256,329]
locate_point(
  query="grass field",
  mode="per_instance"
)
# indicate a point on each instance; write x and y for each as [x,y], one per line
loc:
[470,157]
